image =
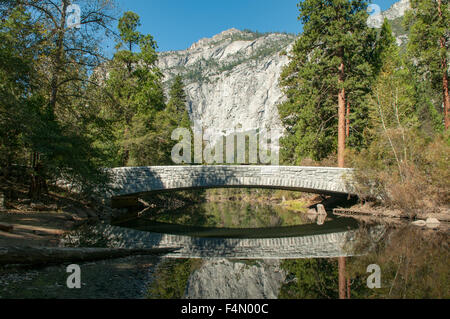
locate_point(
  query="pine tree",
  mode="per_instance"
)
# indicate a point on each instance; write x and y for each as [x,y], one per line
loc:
[135,86]
[45,66]
[176,107]
[429,44]
[332,62]
[174,116]
[386,45]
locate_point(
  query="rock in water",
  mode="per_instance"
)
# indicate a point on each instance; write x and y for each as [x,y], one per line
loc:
[420,223]
[321,209]
[432,222]
[321,219]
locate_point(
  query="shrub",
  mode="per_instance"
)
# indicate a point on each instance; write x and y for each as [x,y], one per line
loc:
[415,182]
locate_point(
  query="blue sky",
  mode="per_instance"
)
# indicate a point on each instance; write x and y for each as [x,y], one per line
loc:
[176,24]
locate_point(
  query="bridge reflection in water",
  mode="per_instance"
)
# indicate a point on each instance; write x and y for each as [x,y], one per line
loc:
[335,239]
[296,242]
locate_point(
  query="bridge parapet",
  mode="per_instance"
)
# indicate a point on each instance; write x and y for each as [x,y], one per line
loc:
[137,180]
[326,245]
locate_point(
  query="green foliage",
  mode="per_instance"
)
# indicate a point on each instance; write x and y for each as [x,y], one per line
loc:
[318,279]
[398,27]
[240,213]
[128,25]
[171,278]
[334,32]
[43,111]
[177,103]
[427,28]
[259,54]
[386,44]
[310,279]
[428,47]
[135,86]
[153,144]
[401,135]
[414,264]
[15,77]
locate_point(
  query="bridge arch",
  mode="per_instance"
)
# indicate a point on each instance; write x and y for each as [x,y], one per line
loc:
[129,181]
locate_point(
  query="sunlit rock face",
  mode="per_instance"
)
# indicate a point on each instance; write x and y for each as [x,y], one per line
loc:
[225,279]
[395,15]
[397,10]
[231,79]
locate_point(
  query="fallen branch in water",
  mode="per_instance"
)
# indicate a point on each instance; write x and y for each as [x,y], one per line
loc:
[6,227]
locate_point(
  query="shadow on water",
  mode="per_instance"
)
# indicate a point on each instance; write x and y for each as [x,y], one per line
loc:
[333,226]
[413,262]
[237,220]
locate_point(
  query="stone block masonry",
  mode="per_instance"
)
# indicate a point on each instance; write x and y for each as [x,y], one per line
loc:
[328,245]
[137,180]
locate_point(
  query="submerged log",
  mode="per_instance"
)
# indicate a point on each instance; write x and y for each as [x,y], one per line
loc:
[55,255]
[2,202]
[6,227]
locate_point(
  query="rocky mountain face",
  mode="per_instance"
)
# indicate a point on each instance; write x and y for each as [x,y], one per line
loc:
[232,78]
[395,15]
[397,10]
[226,279]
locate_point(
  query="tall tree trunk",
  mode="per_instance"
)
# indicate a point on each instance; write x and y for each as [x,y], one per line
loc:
[57,67]
[342,281]
[126,148]
[341,113]
[347,124]
[38,183]
[446,99]
[348,288]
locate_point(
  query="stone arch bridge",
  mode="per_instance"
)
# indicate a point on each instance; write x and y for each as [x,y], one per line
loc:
[132,181]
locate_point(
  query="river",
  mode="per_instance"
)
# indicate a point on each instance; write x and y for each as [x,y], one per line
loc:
[245,250]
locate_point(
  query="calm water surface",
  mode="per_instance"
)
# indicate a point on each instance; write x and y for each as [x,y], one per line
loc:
[414,262]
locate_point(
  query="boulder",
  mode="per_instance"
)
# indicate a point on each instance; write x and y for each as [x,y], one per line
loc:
[420,223]
[321,219]
[321,209]
[432,222]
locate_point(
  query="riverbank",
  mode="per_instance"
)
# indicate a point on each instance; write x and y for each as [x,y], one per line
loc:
[303,203]
[41,223]
[370,209]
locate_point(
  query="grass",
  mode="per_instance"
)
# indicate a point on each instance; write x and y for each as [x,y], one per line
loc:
[296,205]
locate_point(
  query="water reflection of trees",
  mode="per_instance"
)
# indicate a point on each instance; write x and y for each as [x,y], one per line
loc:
[171,277]
[231,215]
[414,264]
[316,279]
